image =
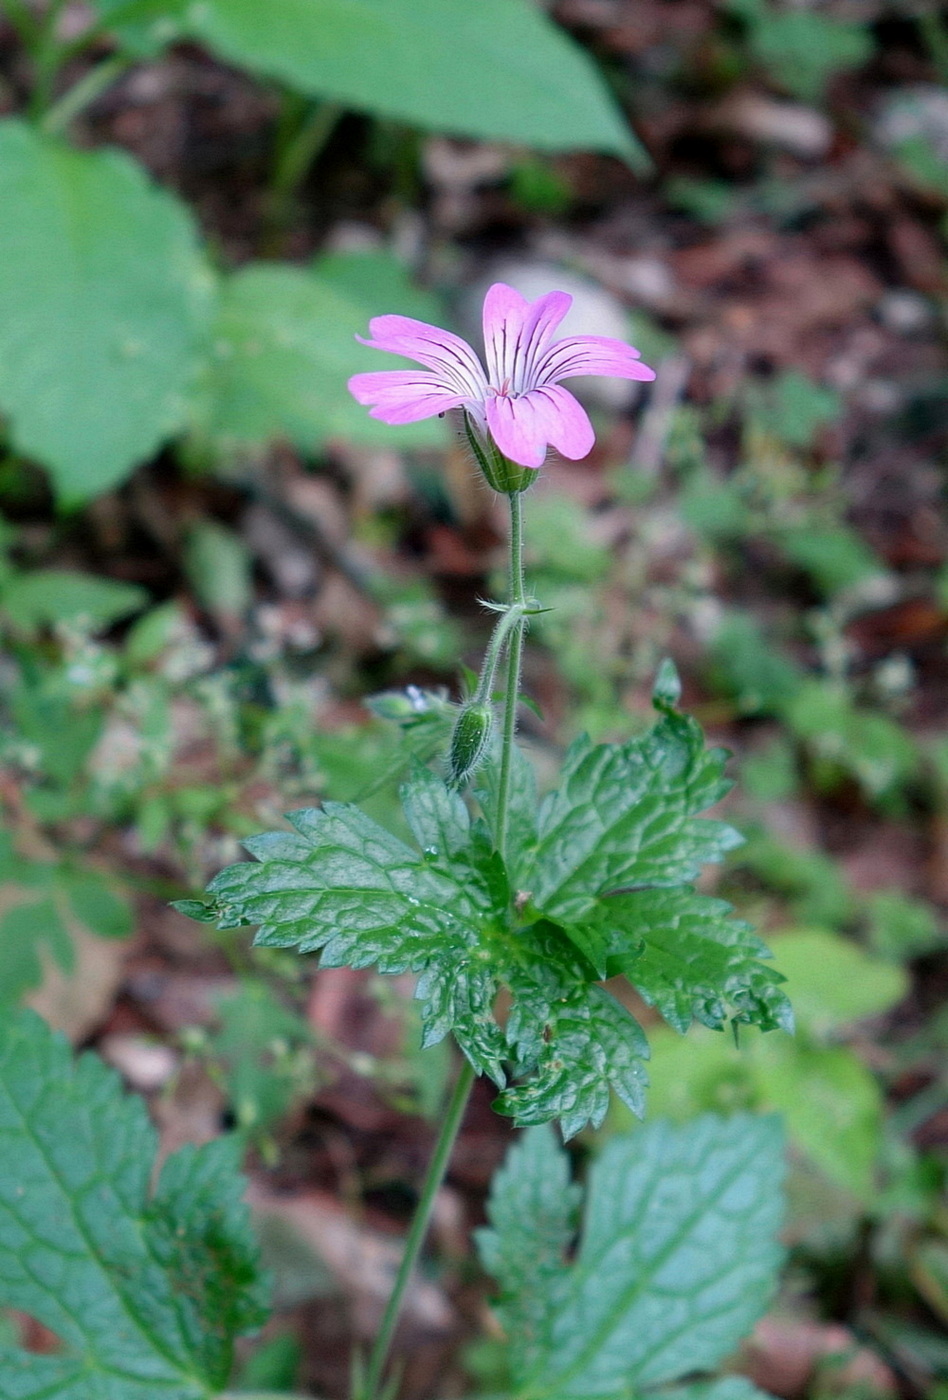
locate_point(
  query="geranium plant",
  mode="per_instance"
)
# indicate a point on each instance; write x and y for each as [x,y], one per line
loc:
[543,901]
[525,922]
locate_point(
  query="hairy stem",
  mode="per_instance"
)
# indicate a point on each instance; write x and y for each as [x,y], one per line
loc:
[514,656]
[511,630]
[453,1118]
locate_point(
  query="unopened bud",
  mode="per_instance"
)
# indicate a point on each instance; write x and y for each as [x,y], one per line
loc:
[470,741]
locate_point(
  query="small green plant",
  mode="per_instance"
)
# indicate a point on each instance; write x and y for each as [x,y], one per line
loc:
[494,892]
[528,924]
[800,48]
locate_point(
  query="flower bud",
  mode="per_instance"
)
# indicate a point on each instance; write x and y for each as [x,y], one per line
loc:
[470,741]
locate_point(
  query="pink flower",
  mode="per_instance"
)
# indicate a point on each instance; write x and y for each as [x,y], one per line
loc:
[520,401]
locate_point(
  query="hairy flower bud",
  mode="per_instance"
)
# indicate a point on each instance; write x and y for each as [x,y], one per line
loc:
[470,741]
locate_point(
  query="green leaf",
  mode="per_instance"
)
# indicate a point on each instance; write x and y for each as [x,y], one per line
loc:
[104,304]
[803,49]
[833,982]
[727,1388]
[835,557]
[449,912]
[285,348]
[533,1213]
[687,957]
[46,597]
[146,27]
[343,884]
[219,569]
[257,1046]
[832,1106]
[744,663]
[43,903]
[625,815]
[572,1039]
[793,408]
[95,904]
[902,927]
[146,1290]
[872,746]
[676,1260]
[522,79]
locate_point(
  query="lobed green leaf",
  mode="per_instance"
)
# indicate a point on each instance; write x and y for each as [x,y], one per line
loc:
[625,815]
[676,1260]
[689,959]
[146,1291]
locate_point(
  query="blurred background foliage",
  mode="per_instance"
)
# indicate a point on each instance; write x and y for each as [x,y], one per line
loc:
[209,554]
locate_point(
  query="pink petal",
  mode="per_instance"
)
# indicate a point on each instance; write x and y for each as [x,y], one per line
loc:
[446,354]
[571,432]
[590,354]
[403,395]
[522,427]
[516,333]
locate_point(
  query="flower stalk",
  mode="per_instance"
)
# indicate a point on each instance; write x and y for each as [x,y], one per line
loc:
[508,633]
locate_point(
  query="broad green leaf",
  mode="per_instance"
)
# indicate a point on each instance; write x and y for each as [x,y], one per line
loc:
[146,1289]
[626,815]
[745,664]
[901,927]
[104,305]
[676,1260]
[829,1098]
[793,408]
[832,1106]
[832,981]
[700,1073]
[498,69]
[49,596]
[835,556]
[257,1047]
[688,958]
[285,348]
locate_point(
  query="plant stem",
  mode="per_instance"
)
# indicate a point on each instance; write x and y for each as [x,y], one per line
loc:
[81,94]
[296,150]
[23,21]
[369,1388]
[48,56]
[514,657]
[419,1228]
